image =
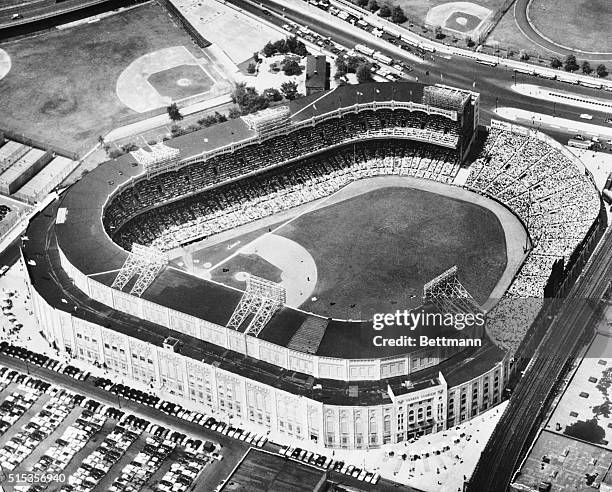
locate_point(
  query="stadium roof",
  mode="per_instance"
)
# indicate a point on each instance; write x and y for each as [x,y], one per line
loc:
[347,95]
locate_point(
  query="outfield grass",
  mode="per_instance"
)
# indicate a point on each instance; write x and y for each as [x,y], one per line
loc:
[576,24]
[61,88]
[377,250]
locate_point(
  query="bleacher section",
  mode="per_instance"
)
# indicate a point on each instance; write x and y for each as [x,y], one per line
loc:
[243,201]
[556,202]
[193,178]
[308,337]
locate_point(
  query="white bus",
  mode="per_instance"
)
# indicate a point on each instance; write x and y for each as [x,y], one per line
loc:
[580,144]
[364,49]
[382,58]
[487,62]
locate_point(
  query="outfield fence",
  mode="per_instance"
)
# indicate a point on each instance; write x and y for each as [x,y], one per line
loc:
[491,23]
[21,138]
[198,38]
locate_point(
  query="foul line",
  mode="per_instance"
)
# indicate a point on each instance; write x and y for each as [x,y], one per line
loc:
[304,212]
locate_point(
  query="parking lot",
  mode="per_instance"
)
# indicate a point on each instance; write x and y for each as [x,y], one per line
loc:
[54,439]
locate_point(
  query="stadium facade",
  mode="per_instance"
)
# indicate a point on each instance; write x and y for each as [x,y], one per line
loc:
[246,354]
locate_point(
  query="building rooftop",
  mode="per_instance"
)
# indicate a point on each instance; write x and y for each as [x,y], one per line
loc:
[261,471]
[317,76]
[567,464]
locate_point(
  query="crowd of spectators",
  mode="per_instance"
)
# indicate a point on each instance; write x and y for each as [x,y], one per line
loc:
[243,201]
[555,200]
[194,178]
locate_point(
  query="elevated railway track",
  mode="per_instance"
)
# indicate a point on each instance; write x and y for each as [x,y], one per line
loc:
[523,415]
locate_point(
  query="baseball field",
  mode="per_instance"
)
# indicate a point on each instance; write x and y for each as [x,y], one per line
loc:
[68,86]
[369,249]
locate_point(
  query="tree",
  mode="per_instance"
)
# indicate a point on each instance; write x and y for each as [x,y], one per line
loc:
[212,119]
[385,11]
[397,15]
[289,89]
[602,71]
[220,117]
[248,99]
[272,94]
[438,32]
[174,112]
[251,68]
[362,3]
[268,49]
[256,57]
[556,63]
[586,67]
[177,131]
[291,67]
[372,5]
[470,42]
[234,113]
[295,46]
[341,68]
[524,55]
[352,62]
[364,73]
[207,121]
[571,65]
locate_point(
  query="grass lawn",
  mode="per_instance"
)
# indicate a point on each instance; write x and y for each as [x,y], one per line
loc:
[61,88]
[576,24]
[508,35]
[377,250]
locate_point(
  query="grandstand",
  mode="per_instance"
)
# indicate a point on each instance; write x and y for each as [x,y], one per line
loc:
[268,363]
[555,200]
[231,205]
[193,178]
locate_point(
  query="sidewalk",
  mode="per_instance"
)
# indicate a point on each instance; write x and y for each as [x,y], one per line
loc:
[453,453]
[539,120]
[163,119]
[564,97]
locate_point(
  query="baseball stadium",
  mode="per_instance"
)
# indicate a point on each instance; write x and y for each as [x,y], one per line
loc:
[243,268]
